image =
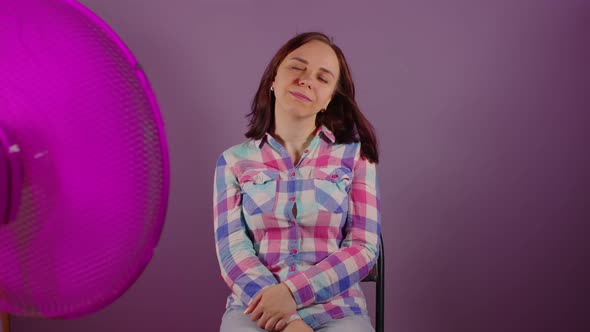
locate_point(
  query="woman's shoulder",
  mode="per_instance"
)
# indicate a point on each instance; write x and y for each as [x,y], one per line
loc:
[350,155]
[239,151]
[346,150]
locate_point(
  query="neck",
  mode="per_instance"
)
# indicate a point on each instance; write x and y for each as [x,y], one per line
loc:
[294,134]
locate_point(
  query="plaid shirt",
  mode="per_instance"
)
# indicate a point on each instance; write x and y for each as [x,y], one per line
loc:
[323,251]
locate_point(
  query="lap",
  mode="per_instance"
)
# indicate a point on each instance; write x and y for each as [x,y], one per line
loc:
[348,324]
[235,321]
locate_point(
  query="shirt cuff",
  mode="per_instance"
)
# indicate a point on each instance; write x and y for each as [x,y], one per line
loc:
[301,288]
[293,317]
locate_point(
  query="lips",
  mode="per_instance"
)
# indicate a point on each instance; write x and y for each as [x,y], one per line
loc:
[300,96]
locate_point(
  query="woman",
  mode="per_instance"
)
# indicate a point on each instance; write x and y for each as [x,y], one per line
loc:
[296,206]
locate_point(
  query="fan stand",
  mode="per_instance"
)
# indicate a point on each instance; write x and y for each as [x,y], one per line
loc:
[5,322]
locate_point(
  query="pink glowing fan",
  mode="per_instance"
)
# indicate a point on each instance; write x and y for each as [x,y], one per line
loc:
[83,162]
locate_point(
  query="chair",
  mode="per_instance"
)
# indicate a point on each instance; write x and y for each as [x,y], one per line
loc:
[377,274]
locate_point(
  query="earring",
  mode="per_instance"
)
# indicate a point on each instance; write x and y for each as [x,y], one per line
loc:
[272,88]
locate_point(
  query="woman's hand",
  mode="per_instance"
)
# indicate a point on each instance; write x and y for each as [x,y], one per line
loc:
[297,325]
[271,305]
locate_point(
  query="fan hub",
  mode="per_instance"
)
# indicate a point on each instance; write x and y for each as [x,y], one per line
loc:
[10,177]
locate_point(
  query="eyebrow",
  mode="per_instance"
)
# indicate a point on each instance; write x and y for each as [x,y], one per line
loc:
[305,62]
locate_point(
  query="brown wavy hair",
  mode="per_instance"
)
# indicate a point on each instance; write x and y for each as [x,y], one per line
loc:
[342,116]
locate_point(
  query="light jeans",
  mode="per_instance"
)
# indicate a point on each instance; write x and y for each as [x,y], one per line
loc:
[235,321]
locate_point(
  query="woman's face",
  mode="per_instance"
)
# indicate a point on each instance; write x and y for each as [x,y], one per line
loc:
[306,80]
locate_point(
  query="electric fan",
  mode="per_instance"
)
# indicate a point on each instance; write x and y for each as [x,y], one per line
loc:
[84,170]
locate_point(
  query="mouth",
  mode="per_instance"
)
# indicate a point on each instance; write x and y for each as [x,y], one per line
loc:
[300,96]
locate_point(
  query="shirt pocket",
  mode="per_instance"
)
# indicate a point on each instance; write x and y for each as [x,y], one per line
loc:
[331,189]
[259,189]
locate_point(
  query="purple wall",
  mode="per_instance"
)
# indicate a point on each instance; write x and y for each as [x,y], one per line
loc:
[479,107]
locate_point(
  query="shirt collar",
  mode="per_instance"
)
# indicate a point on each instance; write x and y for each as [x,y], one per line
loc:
[261,140]
[327,133]
[322,131]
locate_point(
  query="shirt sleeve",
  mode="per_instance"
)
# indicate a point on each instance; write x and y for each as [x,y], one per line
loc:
[240,267]
[358,251]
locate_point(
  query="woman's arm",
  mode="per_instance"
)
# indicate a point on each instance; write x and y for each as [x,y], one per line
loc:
[352,262]
[240,267]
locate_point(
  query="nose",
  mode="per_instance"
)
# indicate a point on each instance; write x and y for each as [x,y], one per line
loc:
[305,83]
[305,80]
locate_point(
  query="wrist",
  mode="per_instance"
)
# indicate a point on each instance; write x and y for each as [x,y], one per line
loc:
[299,325]
[289,290]
[297,321]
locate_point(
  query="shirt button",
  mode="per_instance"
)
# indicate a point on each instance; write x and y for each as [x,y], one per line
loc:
[292,268]
[334,176]
[292,222]
[292,173]
[293,251]
[292,199]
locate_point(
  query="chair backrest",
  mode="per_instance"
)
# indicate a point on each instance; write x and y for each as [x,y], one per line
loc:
[377,275]
[377,269]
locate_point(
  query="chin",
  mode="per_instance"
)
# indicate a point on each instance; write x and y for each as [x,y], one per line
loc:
[295,110]
[301,114]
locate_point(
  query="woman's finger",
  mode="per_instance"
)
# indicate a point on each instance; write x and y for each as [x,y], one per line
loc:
[280,325]
[262,321]
[256,314]
[253,303]
[270,324]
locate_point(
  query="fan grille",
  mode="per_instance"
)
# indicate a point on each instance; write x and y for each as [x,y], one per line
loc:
[94,161]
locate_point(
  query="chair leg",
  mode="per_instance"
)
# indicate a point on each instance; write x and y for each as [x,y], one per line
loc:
[380,314]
